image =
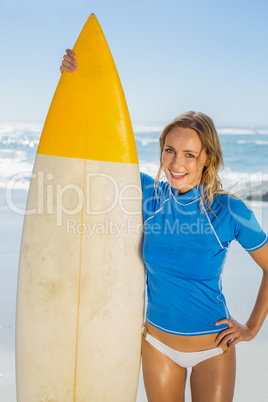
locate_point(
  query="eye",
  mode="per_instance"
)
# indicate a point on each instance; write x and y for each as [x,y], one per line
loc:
[169,150]
[190,155]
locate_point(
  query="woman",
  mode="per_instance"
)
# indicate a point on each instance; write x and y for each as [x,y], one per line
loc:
[189,223]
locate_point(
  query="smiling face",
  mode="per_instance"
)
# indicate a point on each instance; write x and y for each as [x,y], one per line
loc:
[180,160]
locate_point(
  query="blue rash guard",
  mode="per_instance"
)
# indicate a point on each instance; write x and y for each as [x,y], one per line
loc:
[184,253]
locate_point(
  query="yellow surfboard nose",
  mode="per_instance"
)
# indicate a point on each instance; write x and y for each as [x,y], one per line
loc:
[88,117]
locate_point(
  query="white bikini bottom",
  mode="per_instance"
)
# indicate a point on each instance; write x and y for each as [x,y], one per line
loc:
[183,359]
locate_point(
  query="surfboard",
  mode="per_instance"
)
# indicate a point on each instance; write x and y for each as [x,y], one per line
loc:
[80,295]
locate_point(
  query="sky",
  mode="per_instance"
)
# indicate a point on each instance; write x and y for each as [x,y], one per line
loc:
[171,55]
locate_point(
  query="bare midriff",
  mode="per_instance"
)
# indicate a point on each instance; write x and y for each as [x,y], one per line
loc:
[184,343]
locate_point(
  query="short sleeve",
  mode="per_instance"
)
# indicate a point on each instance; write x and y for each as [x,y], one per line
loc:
[148,194]
[147,184]
[247,230]
[150,202]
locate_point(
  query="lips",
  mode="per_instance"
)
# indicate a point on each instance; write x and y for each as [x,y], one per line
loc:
[178,176]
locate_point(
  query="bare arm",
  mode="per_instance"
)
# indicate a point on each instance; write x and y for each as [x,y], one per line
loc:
[237,332]
[260,309]
[69,62]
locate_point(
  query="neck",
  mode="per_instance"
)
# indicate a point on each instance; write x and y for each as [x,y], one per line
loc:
[187,189]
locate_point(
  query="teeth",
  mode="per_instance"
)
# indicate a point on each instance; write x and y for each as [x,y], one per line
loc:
[178,174]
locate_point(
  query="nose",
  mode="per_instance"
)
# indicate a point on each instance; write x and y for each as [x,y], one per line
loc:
[177,162]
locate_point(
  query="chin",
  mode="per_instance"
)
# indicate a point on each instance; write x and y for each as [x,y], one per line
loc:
[178,186]
[185,187]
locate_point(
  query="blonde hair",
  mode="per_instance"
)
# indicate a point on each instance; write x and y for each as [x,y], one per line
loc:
[203,125]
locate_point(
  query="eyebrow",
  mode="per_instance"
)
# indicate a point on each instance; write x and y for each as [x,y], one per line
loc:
[185,150]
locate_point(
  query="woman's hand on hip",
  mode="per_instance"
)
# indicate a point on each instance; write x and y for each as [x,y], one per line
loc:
[69,62]
[234,333]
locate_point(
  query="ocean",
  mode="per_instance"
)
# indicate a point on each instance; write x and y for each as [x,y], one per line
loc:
[245,151]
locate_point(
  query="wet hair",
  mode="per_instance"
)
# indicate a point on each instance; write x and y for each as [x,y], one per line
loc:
[204,126]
